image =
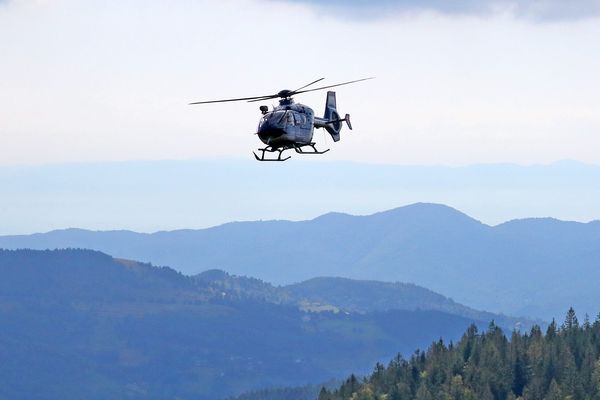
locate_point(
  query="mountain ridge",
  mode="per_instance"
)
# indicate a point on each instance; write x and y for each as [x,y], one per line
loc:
[325,216]
[431,245]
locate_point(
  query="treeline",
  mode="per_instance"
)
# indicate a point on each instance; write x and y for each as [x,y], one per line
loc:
[295,393]
[307,392]
[562,364]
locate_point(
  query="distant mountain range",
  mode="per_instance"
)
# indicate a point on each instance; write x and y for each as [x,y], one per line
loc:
[81,324]
[533,267]
[165,195]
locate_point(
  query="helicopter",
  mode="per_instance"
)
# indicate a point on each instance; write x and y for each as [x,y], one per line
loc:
[291,125]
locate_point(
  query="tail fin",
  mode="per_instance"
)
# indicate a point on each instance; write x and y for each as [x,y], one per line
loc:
[334,122]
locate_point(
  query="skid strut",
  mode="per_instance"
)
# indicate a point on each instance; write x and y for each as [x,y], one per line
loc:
[299,150]
[297,147]
[270,149]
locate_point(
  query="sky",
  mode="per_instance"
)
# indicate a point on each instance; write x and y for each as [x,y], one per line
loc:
[96,131]
[478,82]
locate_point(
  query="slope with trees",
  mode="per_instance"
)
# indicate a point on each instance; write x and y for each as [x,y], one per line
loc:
[81,324]
[562,364]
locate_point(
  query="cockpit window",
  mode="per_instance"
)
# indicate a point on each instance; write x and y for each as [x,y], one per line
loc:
[278,119]
[262,121]
[299,119]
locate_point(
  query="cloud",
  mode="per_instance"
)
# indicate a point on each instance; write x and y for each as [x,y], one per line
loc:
[95,81]
[537,10]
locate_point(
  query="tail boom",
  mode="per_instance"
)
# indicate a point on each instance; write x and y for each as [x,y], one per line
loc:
[331,120]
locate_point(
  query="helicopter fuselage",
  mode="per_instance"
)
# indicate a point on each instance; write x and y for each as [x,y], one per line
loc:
[291,126]
[287,124]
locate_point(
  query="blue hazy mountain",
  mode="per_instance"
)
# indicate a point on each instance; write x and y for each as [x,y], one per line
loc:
[81,324]
[353,296]
[149,196]
[532,267]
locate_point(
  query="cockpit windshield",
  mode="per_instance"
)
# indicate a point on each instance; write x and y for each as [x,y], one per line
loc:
[281,119]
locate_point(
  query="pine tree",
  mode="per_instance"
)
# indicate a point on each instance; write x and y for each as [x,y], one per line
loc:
[552,330]
[324,394]
[571,320]
[519,374]
[586,322]
[423,393]
[595,386]
[554,392]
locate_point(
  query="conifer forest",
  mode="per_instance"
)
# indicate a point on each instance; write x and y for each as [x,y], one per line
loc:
[562,363]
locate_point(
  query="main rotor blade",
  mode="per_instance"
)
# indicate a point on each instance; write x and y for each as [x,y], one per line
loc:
[330,86]
[238,99]
[305,86]
[297,91]
[276,95]
[263,98]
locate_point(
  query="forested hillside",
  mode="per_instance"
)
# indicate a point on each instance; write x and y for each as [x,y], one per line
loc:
[81,324]
[366,296]
[350,295]
[562,364]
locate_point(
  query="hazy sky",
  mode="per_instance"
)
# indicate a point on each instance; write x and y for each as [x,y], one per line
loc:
[501,81]
[164,195]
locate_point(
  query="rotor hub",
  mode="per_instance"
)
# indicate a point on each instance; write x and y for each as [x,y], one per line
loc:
[285,93]
[286,101]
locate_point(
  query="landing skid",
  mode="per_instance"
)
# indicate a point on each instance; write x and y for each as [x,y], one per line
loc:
[312,145]
[272,150]
[297,147]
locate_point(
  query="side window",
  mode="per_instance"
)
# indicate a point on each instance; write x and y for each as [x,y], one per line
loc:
[300,119]
[308,118]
